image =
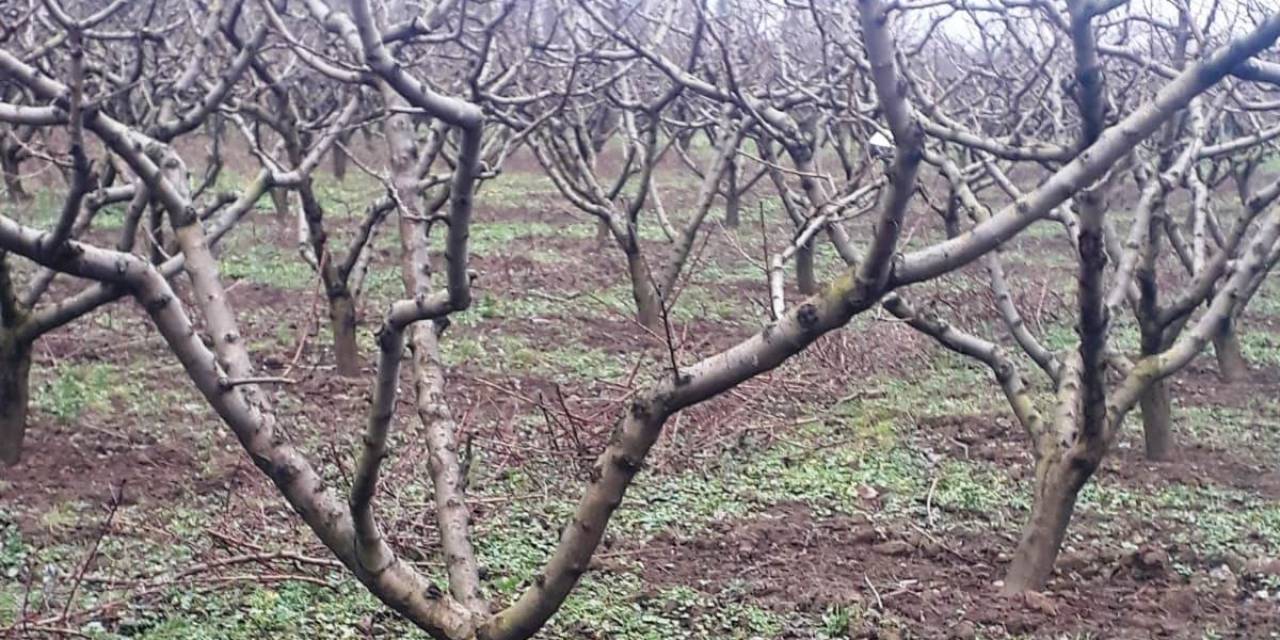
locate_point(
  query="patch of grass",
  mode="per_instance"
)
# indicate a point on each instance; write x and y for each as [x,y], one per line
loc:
[1210,519]
[683,612]
[830,479]
[1124,336]
[286,610]
[346,200]
[41,211]
[1260,347]
[1218,519]
[736,272]
[982,491]
[515,189]
[382,286]
[14,556]
[705,303]
[683,504]
[265,264]
[825,465]
[488,306]
[828,466]
[1257,426]
[693,303]
[1045,229]
[73,389]
[611,604]
[13,550]
[110,218]
[513,353]
[1266,302]
[951,385]
[500,237]
[62,517]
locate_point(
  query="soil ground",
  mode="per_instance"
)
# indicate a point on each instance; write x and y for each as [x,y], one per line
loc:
[873,487]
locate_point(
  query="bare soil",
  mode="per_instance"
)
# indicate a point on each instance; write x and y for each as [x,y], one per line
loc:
[944,586]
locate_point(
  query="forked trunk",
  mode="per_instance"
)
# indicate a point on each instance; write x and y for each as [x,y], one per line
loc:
[342,319]
[1156,421]
[806,278]
[1232,366]
[1058,483]
[648,303]
[15,398]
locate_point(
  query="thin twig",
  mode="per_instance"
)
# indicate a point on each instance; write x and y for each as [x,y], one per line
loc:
[117,492]
[230,383]
[875,592]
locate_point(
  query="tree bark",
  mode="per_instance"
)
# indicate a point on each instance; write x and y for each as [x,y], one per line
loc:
[342,320]
[603,234]
[13,184]
[280,199]
[1155,401]
[1058,482]
[15,399]
[951,219]
[648,303]
[1232,365]
[448,475]
[806,277]
[732,198]
[1156,421]
[340,157]
[10,168]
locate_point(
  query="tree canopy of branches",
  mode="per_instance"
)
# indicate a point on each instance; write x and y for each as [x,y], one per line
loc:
[1128,124]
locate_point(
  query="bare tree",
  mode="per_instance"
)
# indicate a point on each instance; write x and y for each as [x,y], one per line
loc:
[84,51]
[371,45]
[1090,412]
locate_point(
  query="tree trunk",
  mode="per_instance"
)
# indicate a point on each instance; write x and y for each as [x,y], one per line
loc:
[12,182]
[15,398]
[155,224]
[951,218]
[1058,482]
[1156,421]
[280,198]
[732,199]
[1155,401]
[447,466]
[340,158]
[806,278]
[342,320]
[648,304]
[603,235]
[1232,366]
